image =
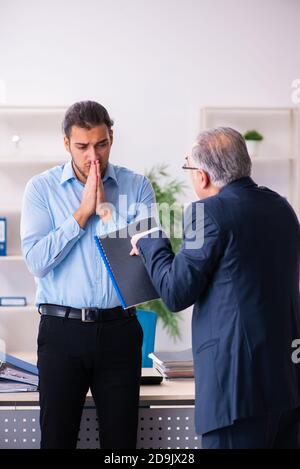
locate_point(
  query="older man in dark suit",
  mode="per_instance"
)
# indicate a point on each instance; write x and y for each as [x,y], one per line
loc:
[243,279]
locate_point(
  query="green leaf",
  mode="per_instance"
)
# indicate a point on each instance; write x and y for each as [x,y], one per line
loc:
[169,319]
[253,135]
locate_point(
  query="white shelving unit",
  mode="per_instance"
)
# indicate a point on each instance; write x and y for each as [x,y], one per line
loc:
[9,163]
[10,258]
[19,309]
[31,141]
[277,164]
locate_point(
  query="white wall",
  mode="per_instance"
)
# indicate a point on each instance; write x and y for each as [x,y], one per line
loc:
[152,63]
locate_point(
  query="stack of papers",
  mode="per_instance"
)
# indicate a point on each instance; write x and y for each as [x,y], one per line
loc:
[174,365]
[13,386]
[17,375]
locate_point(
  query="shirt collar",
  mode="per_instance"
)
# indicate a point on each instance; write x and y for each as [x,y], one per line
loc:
[110,173]
[68,173]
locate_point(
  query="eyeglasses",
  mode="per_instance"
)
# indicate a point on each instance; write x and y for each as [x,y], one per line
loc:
[186,165]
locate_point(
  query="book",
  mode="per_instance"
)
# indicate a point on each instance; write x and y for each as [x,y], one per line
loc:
[17,375]
[173,359]
[14,374]
[174,365]
[175,374]
[13,301]
[128,273]
[18,363]
[13,386]
[2,236]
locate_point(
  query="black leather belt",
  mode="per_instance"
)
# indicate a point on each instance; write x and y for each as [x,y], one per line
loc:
[85,314]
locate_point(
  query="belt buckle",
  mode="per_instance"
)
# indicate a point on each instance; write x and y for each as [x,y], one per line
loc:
[83,315]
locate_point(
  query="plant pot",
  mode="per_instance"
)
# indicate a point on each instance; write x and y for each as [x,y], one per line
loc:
[253,148]
[147,320]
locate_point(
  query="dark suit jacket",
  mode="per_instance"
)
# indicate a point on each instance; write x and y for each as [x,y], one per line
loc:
[244,282]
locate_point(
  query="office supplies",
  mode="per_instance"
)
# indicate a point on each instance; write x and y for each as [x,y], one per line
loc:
[128,273]
[174,364]
[3,230]
[13,386]
[17,375]
[14,374]
[18,363]
[150,376]
[13,301]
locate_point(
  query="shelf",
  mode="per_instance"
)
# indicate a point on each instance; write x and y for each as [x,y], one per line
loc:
[18,309]
[12,258]
[265,159]
[9,210]
[6,211]
[280,128]
[248,109]
[19,162]
[32,110]
[25,162]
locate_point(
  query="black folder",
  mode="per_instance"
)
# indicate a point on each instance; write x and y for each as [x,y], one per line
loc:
[128,273]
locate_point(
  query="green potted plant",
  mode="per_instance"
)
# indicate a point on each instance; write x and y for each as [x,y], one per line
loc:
[167,191]
[253,137]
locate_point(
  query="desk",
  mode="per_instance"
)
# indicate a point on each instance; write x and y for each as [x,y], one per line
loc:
[166,418]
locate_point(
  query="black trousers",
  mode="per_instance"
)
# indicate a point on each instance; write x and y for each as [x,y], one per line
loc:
[279,430]
[74,356]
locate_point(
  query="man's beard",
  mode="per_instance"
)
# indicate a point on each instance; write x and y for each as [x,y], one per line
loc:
[84,176]
[78,169]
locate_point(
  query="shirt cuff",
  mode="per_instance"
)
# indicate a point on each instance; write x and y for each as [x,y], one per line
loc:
[116,222]
[71,228]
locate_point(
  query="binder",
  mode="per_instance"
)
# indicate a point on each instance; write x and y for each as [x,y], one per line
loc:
[3,231]
[18,363]
[13,386]
[174,364]
[128,273]
[17,375]
[13,301]
[13,374]
[179,358]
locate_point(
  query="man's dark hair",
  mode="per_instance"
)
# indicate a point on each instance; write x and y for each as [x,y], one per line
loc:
[85,114]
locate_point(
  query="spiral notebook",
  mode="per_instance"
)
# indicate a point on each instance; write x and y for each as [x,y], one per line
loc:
[128,273]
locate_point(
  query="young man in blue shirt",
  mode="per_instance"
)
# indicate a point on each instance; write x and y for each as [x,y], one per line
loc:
[86,340]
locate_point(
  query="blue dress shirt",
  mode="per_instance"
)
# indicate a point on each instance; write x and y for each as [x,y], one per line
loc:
[63,257]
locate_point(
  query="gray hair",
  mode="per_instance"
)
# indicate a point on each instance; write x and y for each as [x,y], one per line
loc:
[222,153]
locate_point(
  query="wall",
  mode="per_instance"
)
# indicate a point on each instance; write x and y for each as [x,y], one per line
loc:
[153,64]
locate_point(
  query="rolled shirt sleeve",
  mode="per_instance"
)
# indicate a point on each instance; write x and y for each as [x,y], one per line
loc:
[42,246]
